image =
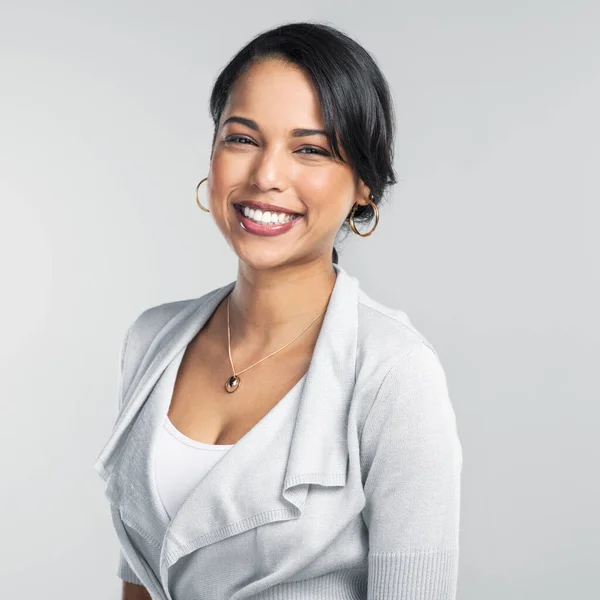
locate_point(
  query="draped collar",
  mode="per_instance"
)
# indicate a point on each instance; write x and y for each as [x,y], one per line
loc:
[236,494]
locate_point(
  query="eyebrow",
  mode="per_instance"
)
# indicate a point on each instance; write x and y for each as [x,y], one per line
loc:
[299,132]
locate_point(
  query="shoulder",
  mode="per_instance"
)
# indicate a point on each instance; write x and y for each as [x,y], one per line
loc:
[152,320]
[406,404]
[385,336]
[393,355]
[384,322]
[147,328]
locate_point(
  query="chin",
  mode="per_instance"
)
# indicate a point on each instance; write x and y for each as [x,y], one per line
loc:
[262,259]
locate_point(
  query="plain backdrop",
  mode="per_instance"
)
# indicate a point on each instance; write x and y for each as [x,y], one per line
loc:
[489,243]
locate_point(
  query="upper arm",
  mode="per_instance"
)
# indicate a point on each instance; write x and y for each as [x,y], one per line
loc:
[412,487]
[122,372]
[133,588]
[132,591]
[125,572]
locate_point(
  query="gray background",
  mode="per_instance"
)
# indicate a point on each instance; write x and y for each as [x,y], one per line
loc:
[489,243]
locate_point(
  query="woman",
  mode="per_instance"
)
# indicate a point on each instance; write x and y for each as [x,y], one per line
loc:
[286,436]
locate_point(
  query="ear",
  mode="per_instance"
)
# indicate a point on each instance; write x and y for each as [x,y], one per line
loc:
[362,194]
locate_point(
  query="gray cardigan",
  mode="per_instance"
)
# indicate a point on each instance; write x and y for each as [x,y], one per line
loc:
[348,490]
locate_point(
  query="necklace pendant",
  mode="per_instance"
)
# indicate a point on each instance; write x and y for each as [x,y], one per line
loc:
[233,384]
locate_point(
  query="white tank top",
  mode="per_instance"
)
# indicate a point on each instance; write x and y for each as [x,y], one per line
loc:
[179,461]
[180,464]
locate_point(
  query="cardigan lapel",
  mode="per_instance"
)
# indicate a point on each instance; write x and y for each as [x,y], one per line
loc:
[259,480]
[172,338]
[239,493]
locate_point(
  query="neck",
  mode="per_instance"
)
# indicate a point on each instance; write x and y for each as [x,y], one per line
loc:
[268,307]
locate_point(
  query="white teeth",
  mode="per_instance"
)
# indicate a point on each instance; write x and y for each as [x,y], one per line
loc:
[267,217]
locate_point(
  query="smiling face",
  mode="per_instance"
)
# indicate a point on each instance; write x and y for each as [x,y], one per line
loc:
[267,150]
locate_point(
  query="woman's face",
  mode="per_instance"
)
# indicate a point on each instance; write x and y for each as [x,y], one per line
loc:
[261,155]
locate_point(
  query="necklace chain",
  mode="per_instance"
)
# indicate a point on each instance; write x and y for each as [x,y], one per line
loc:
[269,355]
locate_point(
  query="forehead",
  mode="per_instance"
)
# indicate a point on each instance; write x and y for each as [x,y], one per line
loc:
[275,94]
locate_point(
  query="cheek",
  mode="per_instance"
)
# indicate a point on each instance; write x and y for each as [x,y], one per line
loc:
[226,176]
[222,173]
[318,182]
[231,166]
[326,194]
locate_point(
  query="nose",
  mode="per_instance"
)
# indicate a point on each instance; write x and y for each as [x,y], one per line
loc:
[269,171]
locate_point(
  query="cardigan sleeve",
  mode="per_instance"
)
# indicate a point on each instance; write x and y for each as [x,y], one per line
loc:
[412,485]
[121,372]
[124,570]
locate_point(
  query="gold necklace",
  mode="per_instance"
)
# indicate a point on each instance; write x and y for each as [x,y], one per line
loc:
[233,383]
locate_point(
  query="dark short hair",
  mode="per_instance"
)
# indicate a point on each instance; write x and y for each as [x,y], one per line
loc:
[354,95]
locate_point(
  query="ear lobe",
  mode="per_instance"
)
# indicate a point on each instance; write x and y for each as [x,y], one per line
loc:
[367,195]
[363,194]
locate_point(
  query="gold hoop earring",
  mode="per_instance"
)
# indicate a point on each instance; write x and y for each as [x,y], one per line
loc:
[198,199]
[375,210]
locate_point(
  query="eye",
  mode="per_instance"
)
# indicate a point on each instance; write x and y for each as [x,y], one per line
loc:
[313,151]
[244,141]
[238,139]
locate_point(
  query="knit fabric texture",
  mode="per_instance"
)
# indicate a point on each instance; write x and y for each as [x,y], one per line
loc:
[349,490]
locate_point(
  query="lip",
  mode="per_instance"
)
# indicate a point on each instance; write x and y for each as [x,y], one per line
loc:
[270,207]
[264,230]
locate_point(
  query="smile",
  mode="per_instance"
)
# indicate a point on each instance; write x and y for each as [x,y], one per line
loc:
[265,223]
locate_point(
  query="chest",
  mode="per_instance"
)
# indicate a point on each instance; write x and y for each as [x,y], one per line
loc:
[204,411]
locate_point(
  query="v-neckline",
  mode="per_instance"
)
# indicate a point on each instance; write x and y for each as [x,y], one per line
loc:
[162,413]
